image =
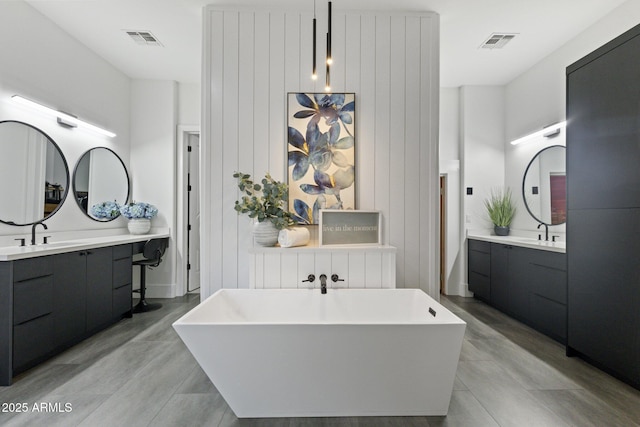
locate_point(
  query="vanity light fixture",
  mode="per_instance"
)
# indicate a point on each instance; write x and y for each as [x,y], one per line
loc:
[64,119]
[547,132]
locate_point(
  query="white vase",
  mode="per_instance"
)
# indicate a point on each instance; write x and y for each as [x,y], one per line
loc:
[139,225]
[265,233]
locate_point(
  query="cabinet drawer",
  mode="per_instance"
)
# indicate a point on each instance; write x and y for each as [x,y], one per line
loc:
[122,300]
[32,298]
[550,317]
[548,282]
[480,286]
[480,262]
[479,246]
[122,272]
[25,269]
[548,259]
[122,251]
[31,341]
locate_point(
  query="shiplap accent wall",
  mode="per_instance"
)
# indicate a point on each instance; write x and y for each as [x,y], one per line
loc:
[251,59]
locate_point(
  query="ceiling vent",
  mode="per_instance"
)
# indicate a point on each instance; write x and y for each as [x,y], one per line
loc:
[143,37]
[497,40]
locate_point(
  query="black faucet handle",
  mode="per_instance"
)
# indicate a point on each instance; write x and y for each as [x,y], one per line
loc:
[310,278]
[553,238]
[45,239]
[22,241]
[336,278]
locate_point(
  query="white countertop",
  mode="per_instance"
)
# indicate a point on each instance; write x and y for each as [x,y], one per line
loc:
[328,248]
[10,253]
[525,242]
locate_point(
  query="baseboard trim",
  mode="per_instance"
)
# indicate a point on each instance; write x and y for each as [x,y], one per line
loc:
[161,290]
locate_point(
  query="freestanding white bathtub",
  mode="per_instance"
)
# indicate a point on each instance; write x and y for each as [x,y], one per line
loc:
[350,352]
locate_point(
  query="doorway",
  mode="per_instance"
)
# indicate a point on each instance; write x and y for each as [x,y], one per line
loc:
[188,202]
[443,234]
[193,213]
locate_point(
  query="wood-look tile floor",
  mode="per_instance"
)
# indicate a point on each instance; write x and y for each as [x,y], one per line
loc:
[138,373]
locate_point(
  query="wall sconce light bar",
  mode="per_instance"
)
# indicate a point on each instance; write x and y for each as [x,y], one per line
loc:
[63,119]
[547,132]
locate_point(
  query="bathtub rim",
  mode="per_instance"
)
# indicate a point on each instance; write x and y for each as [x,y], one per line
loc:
[183,320]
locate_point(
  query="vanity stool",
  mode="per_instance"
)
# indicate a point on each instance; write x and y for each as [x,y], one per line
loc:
[153,251]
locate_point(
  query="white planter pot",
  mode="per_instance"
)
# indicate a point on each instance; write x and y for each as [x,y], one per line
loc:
[265,233]
[139,225]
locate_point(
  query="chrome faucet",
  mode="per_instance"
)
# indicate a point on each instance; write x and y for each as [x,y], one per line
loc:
[546,231]
[33,231]
[323,283]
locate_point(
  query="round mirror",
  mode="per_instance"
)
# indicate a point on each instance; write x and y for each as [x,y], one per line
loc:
[34,174]
[100,182]
[544,186]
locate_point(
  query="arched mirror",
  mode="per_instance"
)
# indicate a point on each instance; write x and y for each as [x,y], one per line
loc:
[33,172]
[100,181]
[544,186]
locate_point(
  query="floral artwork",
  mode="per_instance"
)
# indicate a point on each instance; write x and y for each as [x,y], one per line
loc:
[321,153]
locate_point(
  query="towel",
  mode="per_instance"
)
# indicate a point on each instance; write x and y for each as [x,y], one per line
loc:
[290,237]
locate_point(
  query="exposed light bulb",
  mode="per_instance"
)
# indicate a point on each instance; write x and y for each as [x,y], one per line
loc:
[329,61]
[327,88]
[314,77]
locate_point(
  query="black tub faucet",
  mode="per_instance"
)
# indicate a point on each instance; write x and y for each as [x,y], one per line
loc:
[33,231]
[546,231]
[323,283]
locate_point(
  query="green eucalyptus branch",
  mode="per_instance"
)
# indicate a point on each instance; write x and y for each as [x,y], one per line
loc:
[265,201]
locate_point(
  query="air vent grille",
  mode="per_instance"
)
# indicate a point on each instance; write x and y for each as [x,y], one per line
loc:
[497,40]
[143,37]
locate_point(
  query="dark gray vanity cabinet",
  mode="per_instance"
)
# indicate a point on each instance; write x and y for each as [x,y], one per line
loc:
[99,285]
[509,268]
[122,280]
[70,297]
[603,219]
[509,290]
[51,302]
[545,276]
[527,284]
[479,258]
[32,310]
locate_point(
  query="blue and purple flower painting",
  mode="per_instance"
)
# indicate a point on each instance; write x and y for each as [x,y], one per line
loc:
[321,153]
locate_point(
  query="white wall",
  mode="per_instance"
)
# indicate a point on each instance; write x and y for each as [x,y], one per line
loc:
[189,101]
[450,155]
[482,130]
[43,63]
[153,167]
[252,59]
[537,98]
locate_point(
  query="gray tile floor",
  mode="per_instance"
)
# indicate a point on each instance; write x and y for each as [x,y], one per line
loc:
[138,373]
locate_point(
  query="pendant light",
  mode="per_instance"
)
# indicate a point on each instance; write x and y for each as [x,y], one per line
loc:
[314,73]
[327,87]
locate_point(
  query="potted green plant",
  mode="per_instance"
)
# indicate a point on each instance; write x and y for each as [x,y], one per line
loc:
[266,204]
[501,210]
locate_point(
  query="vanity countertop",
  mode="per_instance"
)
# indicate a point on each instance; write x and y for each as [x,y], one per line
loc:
[525,242]
[10,253]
